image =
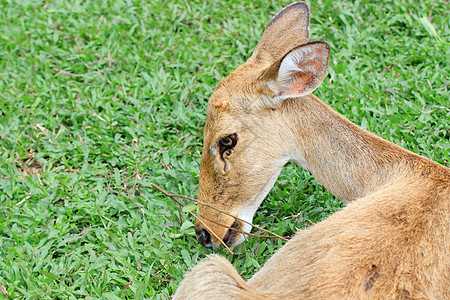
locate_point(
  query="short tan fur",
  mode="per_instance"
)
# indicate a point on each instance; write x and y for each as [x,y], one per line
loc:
[393,242]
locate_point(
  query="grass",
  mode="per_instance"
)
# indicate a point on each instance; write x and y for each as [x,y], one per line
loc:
[101,98]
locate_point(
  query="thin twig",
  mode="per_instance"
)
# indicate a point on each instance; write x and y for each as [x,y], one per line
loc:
[160,278]
[180,217]
[125,196]
[135,180]
[176,195]
[212,232]
[219,210]
[73,75]
[129,283]
[195,216]
[244,232]
[9,73]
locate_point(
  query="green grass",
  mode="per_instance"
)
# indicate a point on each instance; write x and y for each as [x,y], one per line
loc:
[135,116]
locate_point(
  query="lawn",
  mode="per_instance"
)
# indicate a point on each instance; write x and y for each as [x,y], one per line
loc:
[99,99]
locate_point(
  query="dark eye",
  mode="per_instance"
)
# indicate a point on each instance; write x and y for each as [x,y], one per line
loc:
[227,143]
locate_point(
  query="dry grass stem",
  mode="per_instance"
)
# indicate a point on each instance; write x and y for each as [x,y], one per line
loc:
[125,196]
[247,233]
[172,196]
[9,73]
[213,233]
[195,216]
[73,75]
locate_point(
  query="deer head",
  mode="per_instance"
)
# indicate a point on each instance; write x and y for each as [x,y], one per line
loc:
[246,139]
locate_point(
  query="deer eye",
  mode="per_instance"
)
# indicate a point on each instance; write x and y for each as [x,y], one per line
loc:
[226,144]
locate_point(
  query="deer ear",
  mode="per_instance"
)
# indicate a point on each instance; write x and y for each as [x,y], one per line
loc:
[290,27]
[298,73]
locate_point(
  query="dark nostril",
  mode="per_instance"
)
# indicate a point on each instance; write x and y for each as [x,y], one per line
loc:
[230,233]
[205,238]
[227,236]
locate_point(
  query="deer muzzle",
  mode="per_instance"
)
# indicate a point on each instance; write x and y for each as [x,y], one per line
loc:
[229,235]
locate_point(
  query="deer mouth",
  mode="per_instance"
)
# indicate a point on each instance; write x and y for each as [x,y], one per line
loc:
[231,238]
[228,238]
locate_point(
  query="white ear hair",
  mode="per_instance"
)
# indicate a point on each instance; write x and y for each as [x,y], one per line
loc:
[301,71]
[296,62]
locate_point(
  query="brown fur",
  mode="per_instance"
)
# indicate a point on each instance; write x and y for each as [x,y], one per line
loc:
[374,248]
[393,242]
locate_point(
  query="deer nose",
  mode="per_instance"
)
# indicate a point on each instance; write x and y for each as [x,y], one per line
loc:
[204,238]
[227,237]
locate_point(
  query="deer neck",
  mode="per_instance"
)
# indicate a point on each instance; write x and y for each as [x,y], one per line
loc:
[349,161]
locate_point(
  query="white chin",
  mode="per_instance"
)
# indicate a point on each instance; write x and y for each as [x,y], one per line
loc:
[248,212]
[239,240]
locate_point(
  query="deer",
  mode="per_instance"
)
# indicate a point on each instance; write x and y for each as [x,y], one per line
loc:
[391,240]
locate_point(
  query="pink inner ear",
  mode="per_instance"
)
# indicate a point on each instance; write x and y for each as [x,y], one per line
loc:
[302,70]
[300,83]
